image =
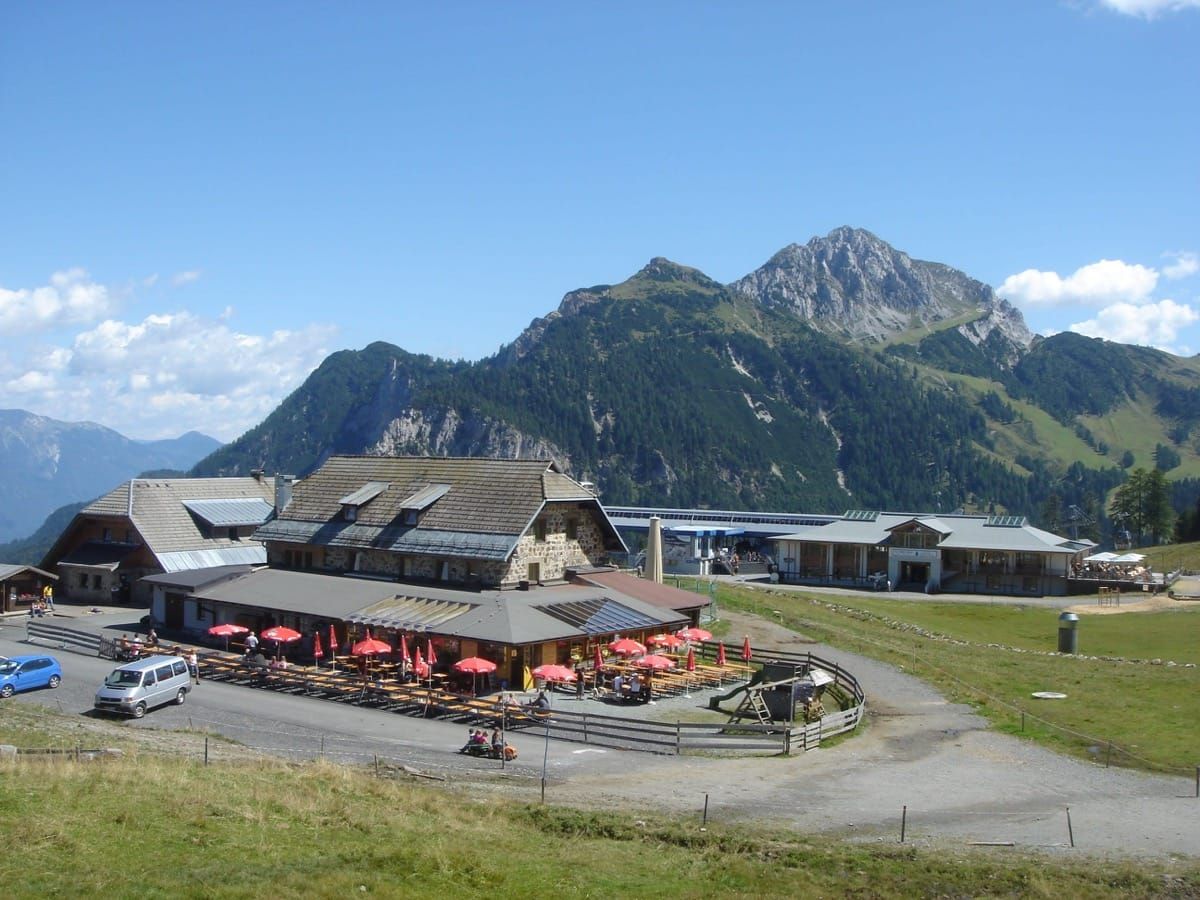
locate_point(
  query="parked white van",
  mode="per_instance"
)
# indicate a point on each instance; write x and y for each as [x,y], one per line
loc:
[144,684]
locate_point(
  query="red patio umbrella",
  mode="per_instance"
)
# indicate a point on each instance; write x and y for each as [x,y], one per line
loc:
[403,650]
[476,665]
[333,643]
[318,652]
[654,661]
[721,653]
[747,653]
[691,660]
[598,661]
[227,630]
[430,654]
[694,634]
[665,640]
[368,646]
[627,647]
[419,665]
[554,672]
[281,634]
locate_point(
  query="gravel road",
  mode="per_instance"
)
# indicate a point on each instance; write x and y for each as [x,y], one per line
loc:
[959,781]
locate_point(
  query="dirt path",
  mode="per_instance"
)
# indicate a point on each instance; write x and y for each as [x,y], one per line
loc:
[960,782]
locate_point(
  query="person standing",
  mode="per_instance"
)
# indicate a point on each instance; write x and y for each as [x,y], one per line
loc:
[251,643]
[580,674]
[193,663]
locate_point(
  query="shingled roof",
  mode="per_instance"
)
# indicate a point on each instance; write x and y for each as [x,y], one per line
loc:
[471,507]
[157,509]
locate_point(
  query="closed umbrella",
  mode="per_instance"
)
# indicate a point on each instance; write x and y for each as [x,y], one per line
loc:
[475,665]
[333,643]
[403,650]
[721,653]
[318,651]
[430,653]
[627,647]
[747,653]
[598,659]
[419,665]
[691,660]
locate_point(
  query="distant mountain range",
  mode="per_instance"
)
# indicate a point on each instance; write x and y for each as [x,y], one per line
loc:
[49,464]
[840,374]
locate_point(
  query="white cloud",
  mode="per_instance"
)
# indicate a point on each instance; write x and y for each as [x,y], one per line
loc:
[1186,263]
[1149,9]
[1149,324]
[182,278]
[1097,284]
[71,298]
[165,375]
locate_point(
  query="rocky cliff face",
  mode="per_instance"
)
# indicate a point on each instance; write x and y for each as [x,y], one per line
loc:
[444,432]
[851,283]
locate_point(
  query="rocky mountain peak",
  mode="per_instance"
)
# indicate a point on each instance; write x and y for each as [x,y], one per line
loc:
[854,284]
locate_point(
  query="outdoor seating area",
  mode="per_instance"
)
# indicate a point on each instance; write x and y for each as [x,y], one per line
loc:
[1124,567]
[404,687]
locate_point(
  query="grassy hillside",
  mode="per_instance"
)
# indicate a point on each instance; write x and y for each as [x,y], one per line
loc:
[158,826]
[996,657]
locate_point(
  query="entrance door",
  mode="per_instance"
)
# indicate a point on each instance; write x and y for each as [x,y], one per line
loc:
[174,611]
[535,573]
[913,572]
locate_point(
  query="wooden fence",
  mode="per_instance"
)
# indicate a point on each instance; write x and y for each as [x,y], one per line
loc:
[680,737]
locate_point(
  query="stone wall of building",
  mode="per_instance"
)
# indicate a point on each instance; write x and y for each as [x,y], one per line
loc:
[554,555]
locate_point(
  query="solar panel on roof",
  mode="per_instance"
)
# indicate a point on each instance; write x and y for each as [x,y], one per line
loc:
[599,616]
[861,515]
[1005,521]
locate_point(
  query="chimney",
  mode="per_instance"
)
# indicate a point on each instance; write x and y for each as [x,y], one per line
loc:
[283,491]
[654,559]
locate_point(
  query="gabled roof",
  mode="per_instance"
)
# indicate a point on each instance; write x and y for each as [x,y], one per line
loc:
[10,570]
[960,532]
[157,509]
[476,508]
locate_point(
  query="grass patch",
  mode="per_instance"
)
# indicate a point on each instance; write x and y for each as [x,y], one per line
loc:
[1145,711]
[160,827]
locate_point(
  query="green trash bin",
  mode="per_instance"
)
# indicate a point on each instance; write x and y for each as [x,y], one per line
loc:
[1068,634]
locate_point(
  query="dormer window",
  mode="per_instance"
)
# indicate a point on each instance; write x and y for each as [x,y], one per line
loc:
[350,513]
[364,495]
[417,503]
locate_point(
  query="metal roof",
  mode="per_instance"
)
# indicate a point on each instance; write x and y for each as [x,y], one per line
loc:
[98,554]
[232,512]
[246,554]
[194,579]
[425,496]
[600,615]
[8,570]
[368,491]
[404,613]
[958,532]
[305,593]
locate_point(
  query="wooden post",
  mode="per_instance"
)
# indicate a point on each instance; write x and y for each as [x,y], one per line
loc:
[903,822]
[1070,830]
[1107,754]
[677,738]
[376,765]
[704,821]
[206,749]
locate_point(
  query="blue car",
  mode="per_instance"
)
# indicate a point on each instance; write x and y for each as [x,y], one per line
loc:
[24,673]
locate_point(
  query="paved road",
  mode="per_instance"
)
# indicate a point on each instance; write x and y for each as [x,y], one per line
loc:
[959,781]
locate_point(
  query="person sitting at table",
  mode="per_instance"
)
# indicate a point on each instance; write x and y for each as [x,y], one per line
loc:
[258,660]
[635,685]
[541,701]
[497,742]
[618,683]
[152,637]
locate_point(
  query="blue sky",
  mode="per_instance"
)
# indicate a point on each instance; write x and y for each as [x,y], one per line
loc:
[201,201]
